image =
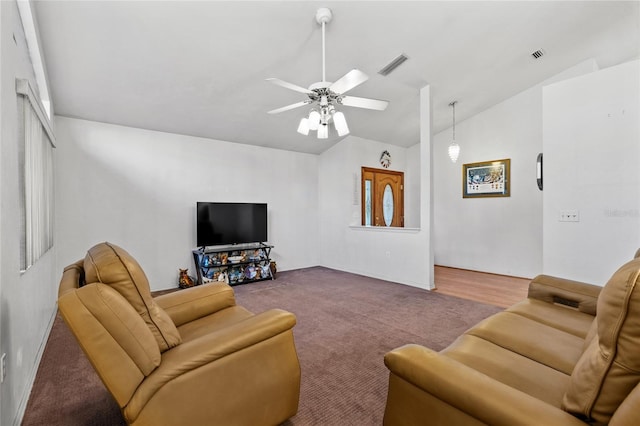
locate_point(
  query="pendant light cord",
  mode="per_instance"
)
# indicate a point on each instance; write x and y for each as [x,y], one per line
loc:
[453,105]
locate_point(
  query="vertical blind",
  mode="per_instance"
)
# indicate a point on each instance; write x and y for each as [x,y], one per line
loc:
[36,177]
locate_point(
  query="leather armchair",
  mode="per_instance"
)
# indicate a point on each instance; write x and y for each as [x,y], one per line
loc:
[191,357]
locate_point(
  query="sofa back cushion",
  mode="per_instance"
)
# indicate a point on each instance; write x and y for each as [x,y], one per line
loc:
[111,265]
[122,324]
[609,368]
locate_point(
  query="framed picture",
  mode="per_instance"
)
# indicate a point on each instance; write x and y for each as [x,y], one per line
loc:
[486,179]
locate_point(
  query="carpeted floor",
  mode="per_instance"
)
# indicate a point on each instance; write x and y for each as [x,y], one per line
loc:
[346,323]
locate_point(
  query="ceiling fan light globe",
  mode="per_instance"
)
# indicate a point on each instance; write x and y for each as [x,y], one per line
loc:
[323,132]
[303,127]
[314,120]
[341,124]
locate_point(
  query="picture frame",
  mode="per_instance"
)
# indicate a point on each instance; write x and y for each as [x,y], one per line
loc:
[487,179]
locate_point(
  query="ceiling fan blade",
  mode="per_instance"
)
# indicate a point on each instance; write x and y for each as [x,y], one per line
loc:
[348,81]
[354,101]
[290,86]
[288,107]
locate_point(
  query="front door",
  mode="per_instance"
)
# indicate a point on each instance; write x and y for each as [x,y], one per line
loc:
[382,197]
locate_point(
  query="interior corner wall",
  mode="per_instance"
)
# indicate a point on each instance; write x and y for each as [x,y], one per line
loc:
[394,254]
[28,299]
[138,189]
[591,156]
[500,235]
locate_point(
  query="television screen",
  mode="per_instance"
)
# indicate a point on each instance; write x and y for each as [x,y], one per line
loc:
[230,223]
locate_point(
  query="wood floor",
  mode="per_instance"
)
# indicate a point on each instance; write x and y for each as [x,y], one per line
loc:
[499,290]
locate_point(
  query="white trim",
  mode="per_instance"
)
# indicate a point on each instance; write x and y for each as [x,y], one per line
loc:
[31,379]
[24,88]
[35,54]
[384,229]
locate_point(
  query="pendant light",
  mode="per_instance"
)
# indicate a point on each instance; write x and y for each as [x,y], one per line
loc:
[454,148]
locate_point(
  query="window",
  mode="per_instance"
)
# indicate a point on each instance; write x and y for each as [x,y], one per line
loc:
[382,197]
[35,177]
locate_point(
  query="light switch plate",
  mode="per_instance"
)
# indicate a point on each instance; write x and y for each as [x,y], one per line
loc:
[569,216]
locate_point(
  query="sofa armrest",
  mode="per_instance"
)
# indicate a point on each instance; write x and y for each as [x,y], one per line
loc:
[575,294]
[187,305]
[472,392]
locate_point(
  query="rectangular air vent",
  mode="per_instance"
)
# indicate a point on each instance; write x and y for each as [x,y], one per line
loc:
[538,54]
[393,65]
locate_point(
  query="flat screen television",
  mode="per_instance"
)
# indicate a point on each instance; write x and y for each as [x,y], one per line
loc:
[230,223]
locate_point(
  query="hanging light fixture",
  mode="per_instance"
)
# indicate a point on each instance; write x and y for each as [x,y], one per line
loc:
[454,148]
[325,97]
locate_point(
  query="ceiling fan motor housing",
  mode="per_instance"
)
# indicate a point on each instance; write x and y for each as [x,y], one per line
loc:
[324,15]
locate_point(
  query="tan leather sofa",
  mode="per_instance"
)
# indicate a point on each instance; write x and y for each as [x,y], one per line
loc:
[191,357]
[567,355]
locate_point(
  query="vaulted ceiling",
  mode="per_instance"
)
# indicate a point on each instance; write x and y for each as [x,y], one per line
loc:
[199,68]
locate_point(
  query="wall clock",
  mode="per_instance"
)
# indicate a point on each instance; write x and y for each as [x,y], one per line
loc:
[385,159]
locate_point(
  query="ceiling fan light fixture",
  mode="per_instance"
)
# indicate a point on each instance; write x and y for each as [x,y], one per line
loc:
[303,127]
[314,120]
[323,131]
[325,95]
[341,124]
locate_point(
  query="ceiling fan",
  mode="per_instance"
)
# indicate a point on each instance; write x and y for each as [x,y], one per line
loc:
[324,95]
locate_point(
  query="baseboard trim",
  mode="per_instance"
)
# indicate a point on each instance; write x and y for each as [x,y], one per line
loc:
[24,400]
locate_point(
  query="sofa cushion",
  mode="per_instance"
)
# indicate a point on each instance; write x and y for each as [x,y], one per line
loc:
[533,340]
[557,316]
[609,368]
[213,322]
[109,264]
[122,324]
[510,368]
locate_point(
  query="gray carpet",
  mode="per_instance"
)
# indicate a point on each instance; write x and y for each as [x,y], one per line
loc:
[346,323]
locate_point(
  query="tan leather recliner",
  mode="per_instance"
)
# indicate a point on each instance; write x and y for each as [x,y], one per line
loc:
[191,357]
[569,354]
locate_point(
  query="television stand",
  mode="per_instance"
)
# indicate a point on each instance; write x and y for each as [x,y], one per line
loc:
[234,263]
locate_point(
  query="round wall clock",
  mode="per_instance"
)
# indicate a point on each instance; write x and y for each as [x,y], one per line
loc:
[385,159]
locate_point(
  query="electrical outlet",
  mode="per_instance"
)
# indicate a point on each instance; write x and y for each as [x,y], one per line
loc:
[3,367]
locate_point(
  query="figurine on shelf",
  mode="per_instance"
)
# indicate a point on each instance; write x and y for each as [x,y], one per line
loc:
[274,269]
[185,281]
[223,258]
[265,271]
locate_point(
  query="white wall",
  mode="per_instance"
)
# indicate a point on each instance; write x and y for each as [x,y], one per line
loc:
[591,156]
[395,254]
[412,187]
[497,235]
[138,189]
[27,300]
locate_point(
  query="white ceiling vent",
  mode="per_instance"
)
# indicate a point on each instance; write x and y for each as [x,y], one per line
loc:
[393,65]
[538,54]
